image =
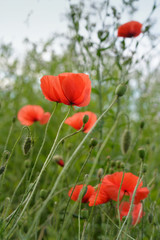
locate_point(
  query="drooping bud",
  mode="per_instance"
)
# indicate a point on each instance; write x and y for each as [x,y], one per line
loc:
[125,141]
[111,170]
[141,152]
[85,119]
[142,123]
[27,145]
[93,142]
[121,89]
[27,163]
[2,169]
[59,160]
[6,155]
[14,119]
[43,194]
[100,173]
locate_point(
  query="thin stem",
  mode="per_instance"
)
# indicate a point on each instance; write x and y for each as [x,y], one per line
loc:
[44,139]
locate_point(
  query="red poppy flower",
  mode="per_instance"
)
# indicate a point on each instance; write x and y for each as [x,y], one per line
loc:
[99,197]
[76,121]
[29,114]
[129,29]
[76,192]
[110,188]
[137,212]
[67,88]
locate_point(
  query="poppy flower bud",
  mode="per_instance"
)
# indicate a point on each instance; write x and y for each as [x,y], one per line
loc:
[43,194]
[27,145]
[59,160]
[6,155]
[14,119]
[122,165]
[150,218]
[142,123]
[144,170]
[113,163]
[84,213]
[111,170]
[93,142]
[100,173]
[141,153]
[118,164]
[2,169]
[120,90]
[85,119]
[27,163]
[125,141]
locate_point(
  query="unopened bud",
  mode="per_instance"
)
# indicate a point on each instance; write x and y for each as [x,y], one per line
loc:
[100,173]
[142,123]
[84,213]
[93,142]
[118,164]
[111,170]
[85,119]
[113,163]
[144,169]
[59,160]
[27,145]
[27,163]
[141,153]
[122,165]
[14,119]
[2,170]
[125,141]
[121,89]
[150,218]
[43,193]
[6,155]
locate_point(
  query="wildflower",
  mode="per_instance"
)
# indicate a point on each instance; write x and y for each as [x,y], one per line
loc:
[129,29]
[110,185]
[29,114]
[76,121]
[59,160]
[137,212]
[67,88]
[74,194]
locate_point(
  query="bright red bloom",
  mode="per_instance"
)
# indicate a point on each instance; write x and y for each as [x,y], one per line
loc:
[129,29]
[99,197]
[109,188]
[137,212]
[76,192]
[29,114]
[67,88]
[76,121]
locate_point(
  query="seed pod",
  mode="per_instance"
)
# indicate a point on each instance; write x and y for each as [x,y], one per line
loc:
[100,173]
[125,141]
[2,170]
[120,90]
[85,119]
[141,152]
[93,142]
[27,145]
[27,163]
